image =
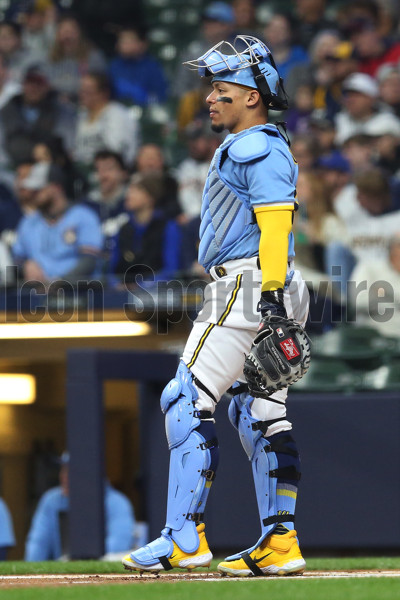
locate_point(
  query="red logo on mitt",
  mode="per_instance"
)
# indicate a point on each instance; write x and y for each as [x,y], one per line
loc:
[289,348]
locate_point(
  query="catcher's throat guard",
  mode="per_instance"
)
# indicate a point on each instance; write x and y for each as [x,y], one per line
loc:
[279,357]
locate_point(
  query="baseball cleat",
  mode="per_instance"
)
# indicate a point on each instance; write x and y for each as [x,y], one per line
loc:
[277,555]
[164,554]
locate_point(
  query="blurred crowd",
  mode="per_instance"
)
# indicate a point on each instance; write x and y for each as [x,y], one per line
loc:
[104,147]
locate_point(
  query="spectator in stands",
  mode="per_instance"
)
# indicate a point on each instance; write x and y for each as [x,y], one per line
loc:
[38,28]
[217,23]
[313,72]
[360,113]
[103,124]
[305,150]
[353,12]
[279,35]
[245,16]
[104,17]
[191,173]
[192,106]
[12,50]
[315,223]
[151,161]
[53,151]
[386,144]
[334,68]
[310,20]
[10,209]
[45,537]
[71,57]
[335,170]
[376,280]
[8,87]
[35,115]
[322,128]
[136,76]
[388,77]
[372,49]
[7,538]
[299,114]
[147,245]
[359,151]
[58,240]
[25,197]
[366,210]
[108,198]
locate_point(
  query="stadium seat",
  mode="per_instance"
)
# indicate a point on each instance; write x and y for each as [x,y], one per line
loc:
[386,377]
[360,347]
[325,375]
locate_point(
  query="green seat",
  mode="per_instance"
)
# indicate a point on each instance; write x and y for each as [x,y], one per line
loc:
[361,347]
[327,376]
[386,377]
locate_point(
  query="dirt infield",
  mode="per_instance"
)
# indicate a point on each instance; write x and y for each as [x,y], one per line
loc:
[13,581]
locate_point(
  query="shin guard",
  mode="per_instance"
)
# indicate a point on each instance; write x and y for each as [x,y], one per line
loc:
[275,466]
[193,461]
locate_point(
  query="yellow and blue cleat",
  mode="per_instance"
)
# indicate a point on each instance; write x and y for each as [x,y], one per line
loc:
[276,555]
[164,554]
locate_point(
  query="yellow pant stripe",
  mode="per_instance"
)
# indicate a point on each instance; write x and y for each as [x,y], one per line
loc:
[286,493]
[200,344]
[232,299]
[220,321]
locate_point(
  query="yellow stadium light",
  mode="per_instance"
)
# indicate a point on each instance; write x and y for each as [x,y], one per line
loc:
[36,331]
[17,389]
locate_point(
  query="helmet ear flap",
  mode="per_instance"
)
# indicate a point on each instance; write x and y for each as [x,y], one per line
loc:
[277,101]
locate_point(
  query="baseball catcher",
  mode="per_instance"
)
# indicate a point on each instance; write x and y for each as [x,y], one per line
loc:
[249,335]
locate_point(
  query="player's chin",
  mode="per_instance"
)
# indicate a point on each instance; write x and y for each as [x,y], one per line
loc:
[217,127]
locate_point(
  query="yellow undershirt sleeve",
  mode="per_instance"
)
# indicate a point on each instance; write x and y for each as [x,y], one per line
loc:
[275,226]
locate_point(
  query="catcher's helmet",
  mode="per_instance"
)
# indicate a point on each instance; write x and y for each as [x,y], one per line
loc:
[252,66]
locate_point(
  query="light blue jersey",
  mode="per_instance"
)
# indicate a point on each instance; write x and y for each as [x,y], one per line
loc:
[57,246]
[252,168]
[44,537]
[7,538]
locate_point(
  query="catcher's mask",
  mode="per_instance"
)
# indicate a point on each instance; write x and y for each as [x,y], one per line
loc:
[253,67]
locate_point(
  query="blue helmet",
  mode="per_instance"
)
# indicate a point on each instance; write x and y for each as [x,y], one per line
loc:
[253,66]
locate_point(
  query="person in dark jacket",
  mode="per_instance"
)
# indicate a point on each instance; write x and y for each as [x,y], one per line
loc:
[147,245]
[35,116]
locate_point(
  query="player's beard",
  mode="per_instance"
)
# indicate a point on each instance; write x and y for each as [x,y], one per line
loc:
[218,128]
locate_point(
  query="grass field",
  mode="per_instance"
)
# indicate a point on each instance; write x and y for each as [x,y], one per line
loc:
[98,566]
[302,588]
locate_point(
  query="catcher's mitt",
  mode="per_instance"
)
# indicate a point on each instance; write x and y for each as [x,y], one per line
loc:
[279,356]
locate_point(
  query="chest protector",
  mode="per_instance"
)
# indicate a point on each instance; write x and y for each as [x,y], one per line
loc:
[229,228]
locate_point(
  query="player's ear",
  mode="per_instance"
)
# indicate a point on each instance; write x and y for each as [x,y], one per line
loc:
[253,97]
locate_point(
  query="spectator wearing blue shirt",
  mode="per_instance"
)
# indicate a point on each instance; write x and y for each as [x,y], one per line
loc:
[45,540]
[7,538]
[58,240]
[279,33]
[149,243]
[136,76]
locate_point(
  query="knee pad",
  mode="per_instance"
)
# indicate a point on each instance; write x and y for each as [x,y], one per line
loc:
[240,416]
[193,461]
[177,403]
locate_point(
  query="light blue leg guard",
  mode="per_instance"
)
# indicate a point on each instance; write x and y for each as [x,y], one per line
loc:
[264,463]
[189,470]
